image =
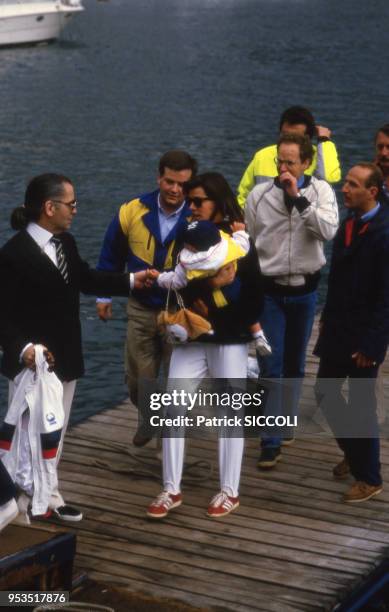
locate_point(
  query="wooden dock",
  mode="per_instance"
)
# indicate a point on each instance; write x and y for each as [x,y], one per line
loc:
[292,544]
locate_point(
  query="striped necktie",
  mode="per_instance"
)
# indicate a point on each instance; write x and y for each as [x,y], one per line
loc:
[61,259]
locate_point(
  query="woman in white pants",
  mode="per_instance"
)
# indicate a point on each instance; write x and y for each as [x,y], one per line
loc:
[222,355]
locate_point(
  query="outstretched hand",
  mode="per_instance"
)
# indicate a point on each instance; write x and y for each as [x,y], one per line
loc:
[144,279]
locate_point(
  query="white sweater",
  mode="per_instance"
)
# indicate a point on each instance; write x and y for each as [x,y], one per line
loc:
[209,261]
[291,244]
[36,408]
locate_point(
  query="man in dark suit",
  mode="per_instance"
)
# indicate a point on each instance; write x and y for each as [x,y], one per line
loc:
[42,275]
[354,331]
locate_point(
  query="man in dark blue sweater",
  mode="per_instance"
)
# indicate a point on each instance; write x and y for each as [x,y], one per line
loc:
[354,330]
[381,144]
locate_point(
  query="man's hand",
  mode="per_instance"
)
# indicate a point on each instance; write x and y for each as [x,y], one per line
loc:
[28,358]
[289,184]
[104,310]
[49,358]
[322,132]
[361,361]
[225,276]
[145,279]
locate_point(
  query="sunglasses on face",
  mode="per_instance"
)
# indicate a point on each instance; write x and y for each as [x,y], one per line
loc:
[196,201]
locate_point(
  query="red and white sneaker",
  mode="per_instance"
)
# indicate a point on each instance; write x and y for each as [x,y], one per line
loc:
[162,504]
[221,505]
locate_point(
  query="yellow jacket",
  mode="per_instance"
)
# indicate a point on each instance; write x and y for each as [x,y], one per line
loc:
[325,165]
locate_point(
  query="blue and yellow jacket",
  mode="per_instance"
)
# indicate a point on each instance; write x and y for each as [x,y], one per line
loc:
[133,240]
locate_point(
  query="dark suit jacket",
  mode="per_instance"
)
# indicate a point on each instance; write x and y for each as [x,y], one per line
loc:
[38,306]
[356,314]
[7,487]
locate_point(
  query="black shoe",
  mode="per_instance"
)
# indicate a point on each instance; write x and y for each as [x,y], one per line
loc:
[67,513]
[269,457]
[140,440]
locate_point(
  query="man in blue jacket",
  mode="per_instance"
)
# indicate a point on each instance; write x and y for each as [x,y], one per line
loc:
[142,235]
[354,332]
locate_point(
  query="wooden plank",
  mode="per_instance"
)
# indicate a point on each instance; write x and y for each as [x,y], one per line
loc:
[293,545]
[367,533]
[227,597]
[187,514]
[137,585]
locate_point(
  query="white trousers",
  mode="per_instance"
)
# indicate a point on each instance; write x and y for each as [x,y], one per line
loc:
[195,361]
[69,388]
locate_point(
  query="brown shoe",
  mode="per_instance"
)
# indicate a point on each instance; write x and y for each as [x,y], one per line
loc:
[361,491]
[140,440]
[341,470]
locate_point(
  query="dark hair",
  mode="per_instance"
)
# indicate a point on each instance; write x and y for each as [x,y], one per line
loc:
[384,129]
[299,114]
[40,189]
[218,190]
[303,142]
[177,160]
[375,178]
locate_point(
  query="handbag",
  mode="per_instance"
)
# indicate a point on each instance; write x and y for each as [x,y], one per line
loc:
[183,324]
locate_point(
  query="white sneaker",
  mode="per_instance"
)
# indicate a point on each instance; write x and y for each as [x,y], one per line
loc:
[262,345]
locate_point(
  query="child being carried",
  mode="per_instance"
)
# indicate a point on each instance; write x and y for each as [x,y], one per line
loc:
[206,251]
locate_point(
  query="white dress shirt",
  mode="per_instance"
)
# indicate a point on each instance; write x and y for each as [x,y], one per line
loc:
[42,237]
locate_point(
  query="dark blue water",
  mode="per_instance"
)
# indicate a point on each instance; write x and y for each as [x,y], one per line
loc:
[132,79]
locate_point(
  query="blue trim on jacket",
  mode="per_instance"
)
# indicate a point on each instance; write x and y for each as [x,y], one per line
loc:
[116,253]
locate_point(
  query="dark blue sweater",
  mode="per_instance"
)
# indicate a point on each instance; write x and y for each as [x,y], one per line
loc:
[356,314]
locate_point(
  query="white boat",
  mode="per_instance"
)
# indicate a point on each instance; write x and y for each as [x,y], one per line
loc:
[31,21]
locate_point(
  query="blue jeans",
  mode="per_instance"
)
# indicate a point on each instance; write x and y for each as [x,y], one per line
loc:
[287,323]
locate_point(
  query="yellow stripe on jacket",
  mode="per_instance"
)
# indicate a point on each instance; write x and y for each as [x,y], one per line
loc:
[141,241]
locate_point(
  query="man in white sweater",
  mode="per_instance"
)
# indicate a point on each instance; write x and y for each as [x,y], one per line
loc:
[289,219]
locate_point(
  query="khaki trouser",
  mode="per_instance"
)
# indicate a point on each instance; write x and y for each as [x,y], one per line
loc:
[145,349]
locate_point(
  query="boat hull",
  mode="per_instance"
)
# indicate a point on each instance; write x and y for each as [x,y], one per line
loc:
[37,26]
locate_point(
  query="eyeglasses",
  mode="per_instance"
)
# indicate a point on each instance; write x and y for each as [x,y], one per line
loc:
[72,205]
[196,201]
[285,162]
